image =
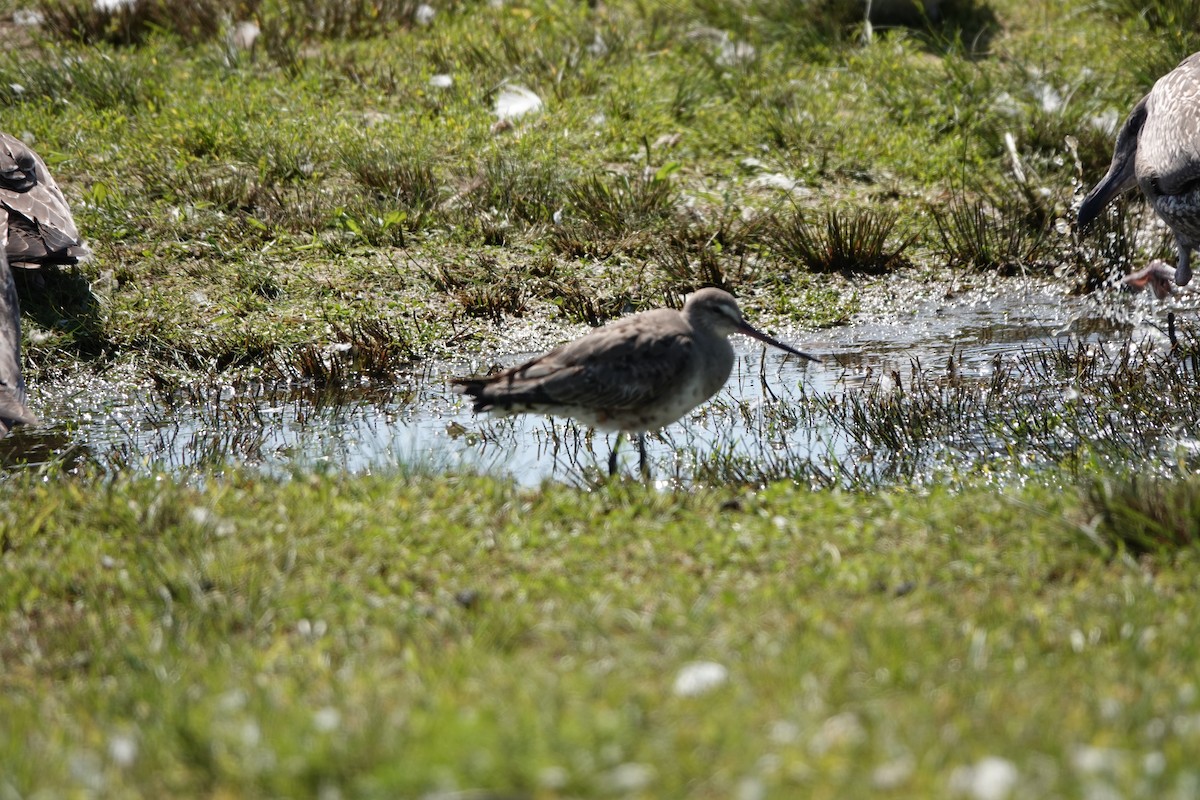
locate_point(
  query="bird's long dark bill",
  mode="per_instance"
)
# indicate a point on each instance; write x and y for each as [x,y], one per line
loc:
[1101,195]
[1122,173]
[752,332]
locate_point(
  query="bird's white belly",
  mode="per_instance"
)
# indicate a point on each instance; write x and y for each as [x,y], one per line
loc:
[676,404]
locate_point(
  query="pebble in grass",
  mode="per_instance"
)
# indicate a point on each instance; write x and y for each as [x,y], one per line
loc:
[699,678]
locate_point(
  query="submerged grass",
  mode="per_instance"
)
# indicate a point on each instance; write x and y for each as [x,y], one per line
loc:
[409,634]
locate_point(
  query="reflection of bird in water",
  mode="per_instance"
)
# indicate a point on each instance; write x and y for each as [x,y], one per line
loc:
[634,375]
[39,228]
[12,386]
[1158,149]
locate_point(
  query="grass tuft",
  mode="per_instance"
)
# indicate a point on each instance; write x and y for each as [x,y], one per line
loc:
[1172,25]
[615,211]
[95,79]
[482,286]
[135,22]
[1147,515]
[975,233]
[580,302]
[397,176]
[861,241]
[198,21]
[375,349]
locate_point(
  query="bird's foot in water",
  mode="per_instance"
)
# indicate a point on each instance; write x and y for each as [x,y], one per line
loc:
[1158,275]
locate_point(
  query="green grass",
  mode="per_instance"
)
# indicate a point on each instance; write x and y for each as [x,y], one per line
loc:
[229,635]
[393,636]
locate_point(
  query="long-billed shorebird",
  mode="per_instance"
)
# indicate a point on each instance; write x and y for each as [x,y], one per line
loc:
[12,386]
[634,375]
[38,228]
[1158,149]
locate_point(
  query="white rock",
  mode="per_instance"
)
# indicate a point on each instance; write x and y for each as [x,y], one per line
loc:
[28,17]
[991,778]
[733,53]
[893,774]
[840,730]
[245,34]
[327,719]
[775,180]
[630,778]
[699,678]
[516,101]
[122,749]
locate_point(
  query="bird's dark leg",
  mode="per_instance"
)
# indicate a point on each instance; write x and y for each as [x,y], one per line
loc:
[643,465]
[1183,271]
[612,457]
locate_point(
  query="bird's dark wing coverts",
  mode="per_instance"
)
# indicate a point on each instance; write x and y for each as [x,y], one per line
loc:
[40,228]
[625,366]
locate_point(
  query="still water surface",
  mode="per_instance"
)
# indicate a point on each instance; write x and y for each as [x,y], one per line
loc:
[767,407]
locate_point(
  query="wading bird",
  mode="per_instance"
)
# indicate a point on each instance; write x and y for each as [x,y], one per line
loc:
[12,386]
[38,228]
[634,375]
[1158,149]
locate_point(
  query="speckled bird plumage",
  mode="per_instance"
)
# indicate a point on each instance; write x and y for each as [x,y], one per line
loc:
[1158,150]
[38,228]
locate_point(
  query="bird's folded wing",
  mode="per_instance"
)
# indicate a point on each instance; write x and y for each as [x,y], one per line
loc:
[618,372]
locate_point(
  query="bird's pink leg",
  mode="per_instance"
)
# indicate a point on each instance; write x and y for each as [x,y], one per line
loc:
[1158,275]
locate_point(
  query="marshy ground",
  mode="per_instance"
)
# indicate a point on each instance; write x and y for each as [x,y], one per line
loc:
[258,550]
